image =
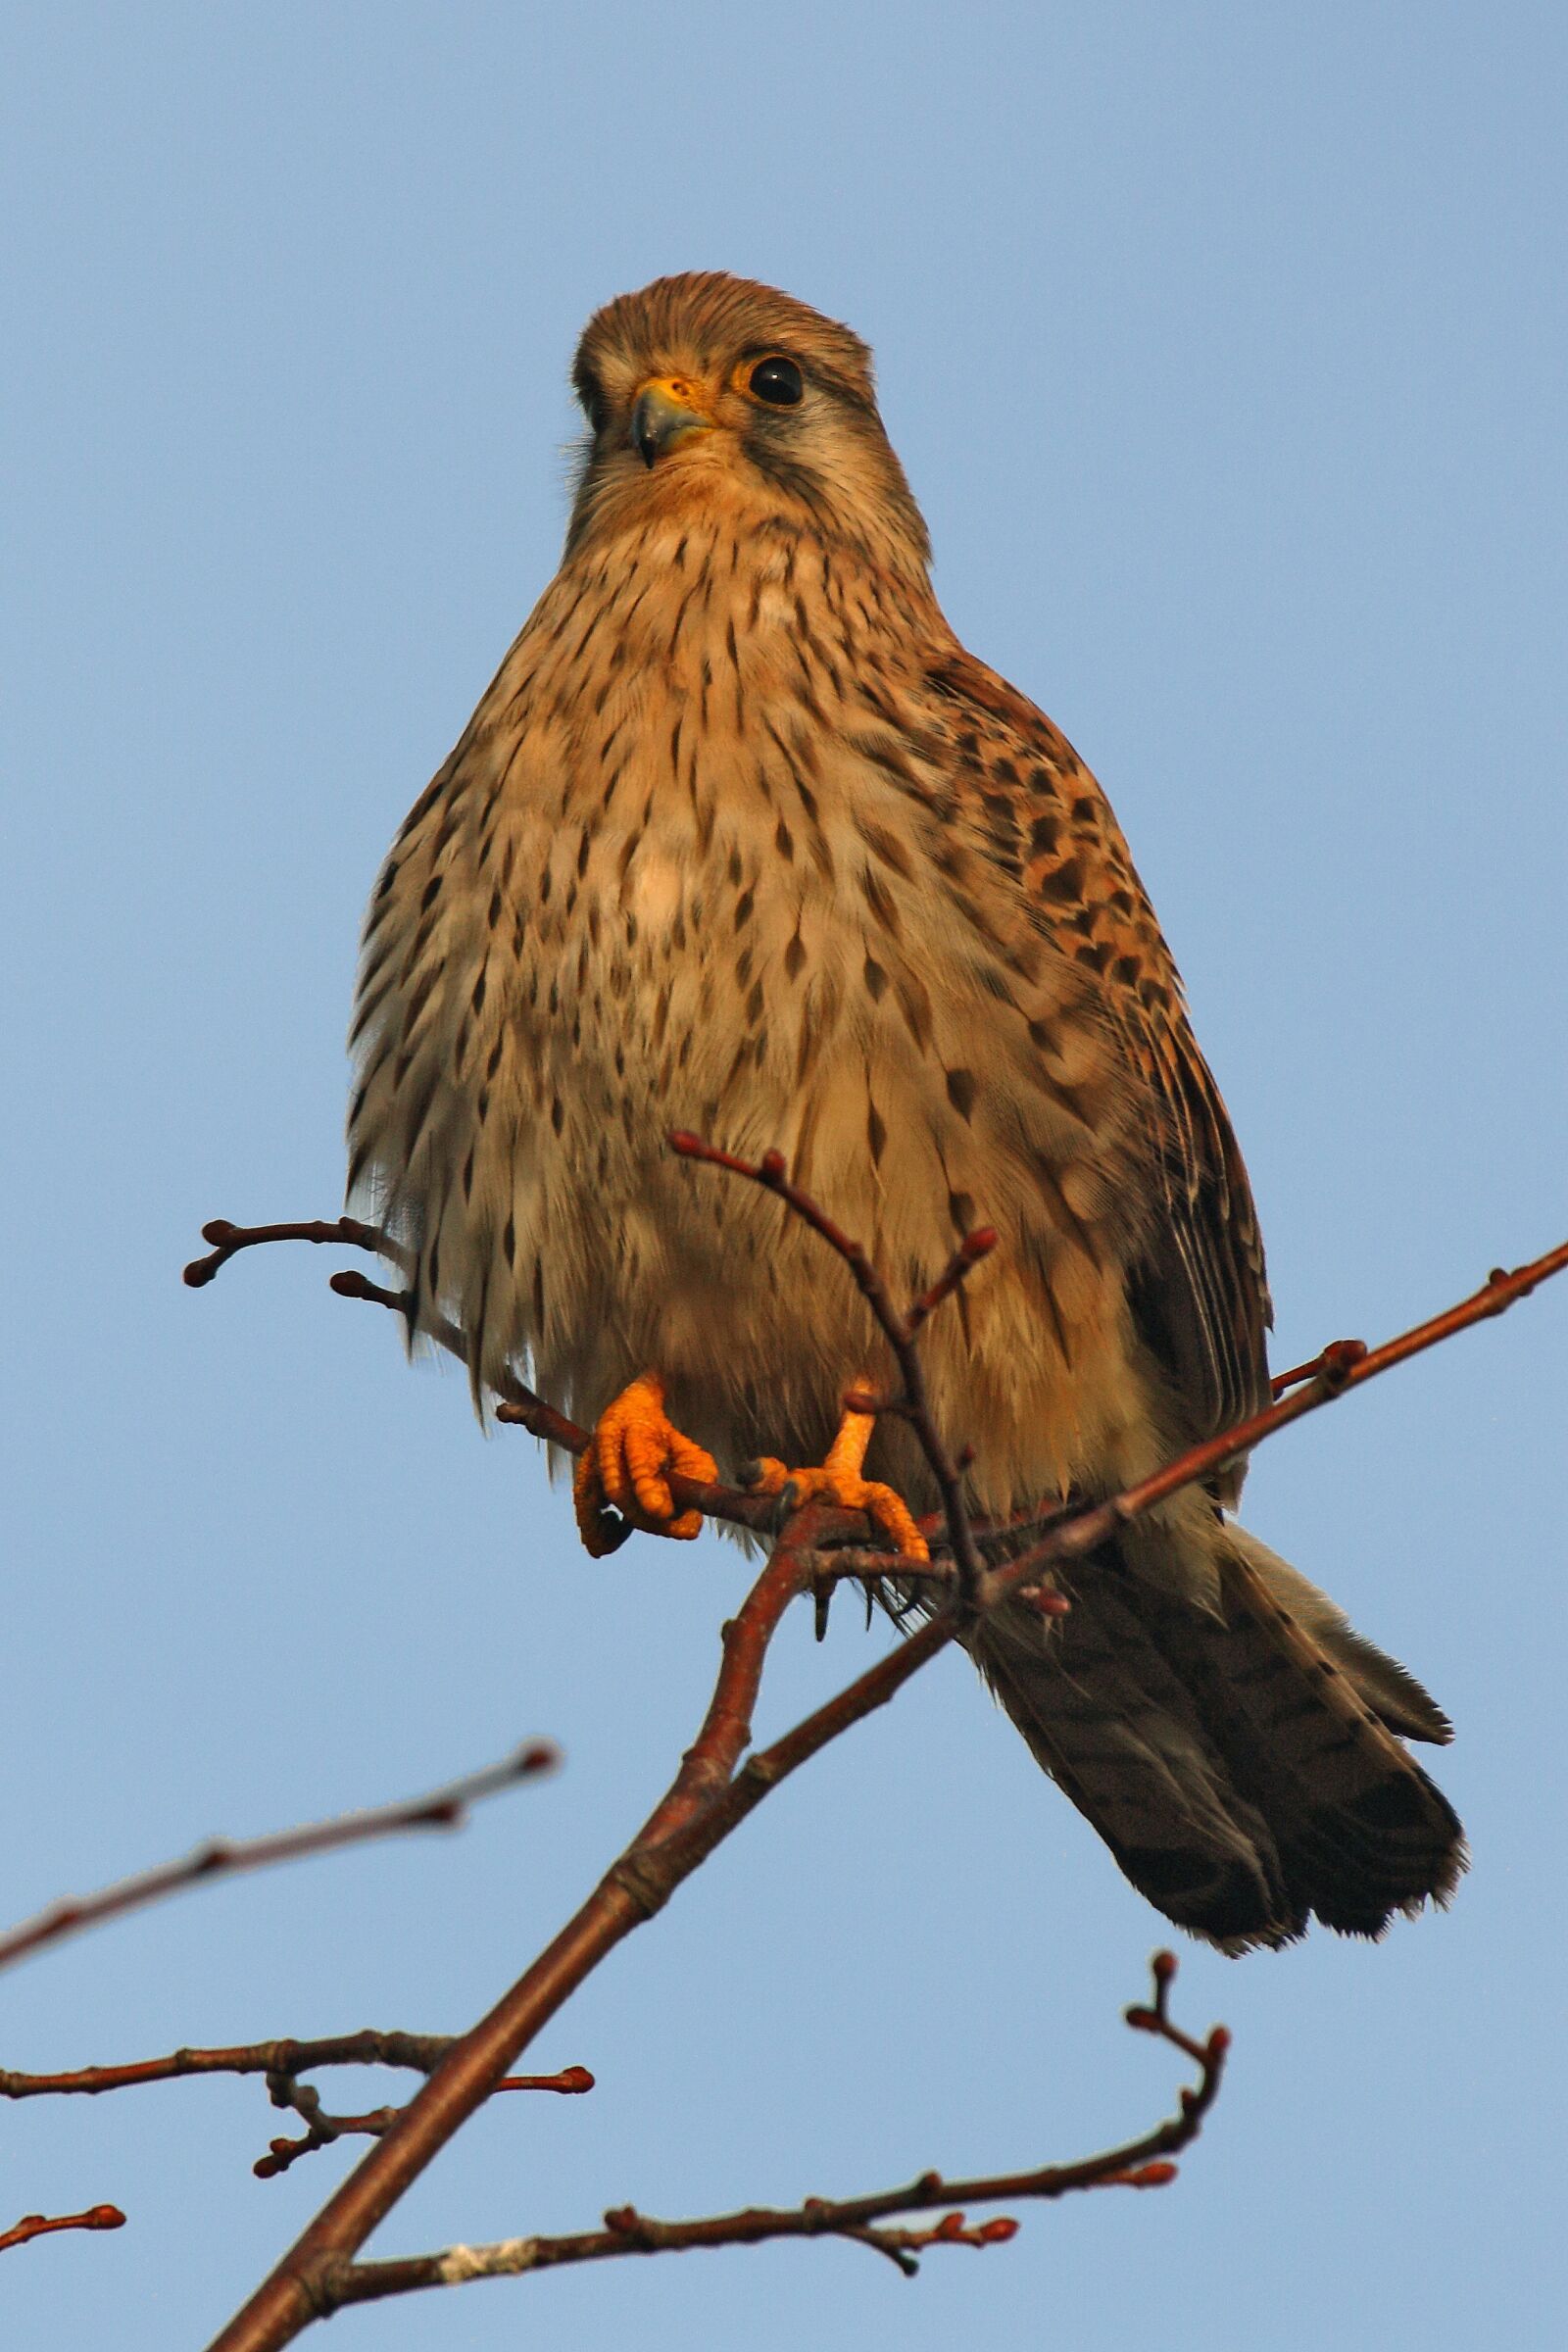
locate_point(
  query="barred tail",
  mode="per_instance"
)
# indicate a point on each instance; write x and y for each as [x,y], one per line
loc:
[1242,1761]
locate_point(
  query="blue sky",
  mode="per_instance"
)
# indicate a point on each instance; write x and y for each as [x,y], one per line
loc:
[1225,350]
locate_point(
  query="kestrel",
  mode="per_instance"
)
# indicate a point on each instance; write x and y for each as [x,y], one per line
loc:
[742,840]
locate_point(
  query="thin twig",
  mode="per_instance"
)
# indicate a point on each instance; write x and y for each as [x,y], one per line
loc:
[1344,1365]
[900,1331]
[515,1402]
[420,2052]
[1325,1375]
[442,1809]
[630,1892]
[39,2225]
[644,1876]
[228,1240]
[283,2062]
[321,2128]
[1141,2163]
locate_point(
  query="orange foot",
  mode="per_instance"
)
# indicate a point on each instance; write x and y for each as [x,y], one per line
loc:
[839,1479]
[628,1458]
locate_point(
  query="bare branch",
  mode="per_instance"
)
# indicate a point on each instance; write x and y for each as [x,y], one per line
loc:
[39,2225]
[900,1331]
[322,2129]
[442,1809]
[1141,2163]
[1345,1364]
[515,1402]
[283,2062]
[703,1806]
[421,2052]
[230,1240]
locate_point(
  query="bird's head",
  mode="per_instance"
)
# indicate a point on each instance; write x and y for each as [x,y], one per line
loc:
[709,392]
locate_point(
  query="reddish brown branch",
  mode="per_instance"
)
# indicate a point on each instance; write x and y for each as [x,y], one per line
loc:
[1341,1364]
[283,2062]
[442,1809]
[900,1331]
[348,1283]
[519,1403]
[286,2090]
[419,2051]
[1344,1365]
[39,2225]
[1070,1534]
[515,1402]
[1141,2163]
[630,1892]
[1330,1364]
[230,1240]
[708,1768]
[684,1828]
[571,2081]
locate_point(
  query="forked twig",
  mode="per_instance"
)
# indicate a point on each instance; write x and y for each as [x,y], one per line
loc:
[283,2061]
[713,1791]
[286,2089]
[228,1240]
[515,1402]
[1141,2163]
[1342,1365]
[900,1331]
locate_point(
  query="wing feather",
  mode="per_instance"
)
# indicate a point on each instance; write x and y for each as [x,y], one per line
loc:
[1198,1288]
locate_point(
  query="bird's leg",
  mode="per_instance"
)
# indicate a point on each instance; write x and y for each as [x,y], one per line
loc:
[633,1448]
[839,1479]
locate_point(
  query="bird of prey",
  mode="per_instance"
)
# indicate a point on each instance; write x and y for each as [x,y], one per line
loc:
[741,839]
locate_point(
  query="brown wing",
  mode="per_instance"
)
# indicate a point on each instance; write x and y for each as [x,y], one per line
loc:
[1198,1291]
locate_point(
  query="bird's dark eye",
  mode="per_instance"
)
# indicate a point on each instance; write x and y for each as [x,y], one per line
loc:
[778,381]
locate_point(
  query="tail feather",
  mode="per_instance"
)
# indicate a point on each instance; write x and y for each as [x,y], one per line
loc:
[1388,1689]
[1240,1759]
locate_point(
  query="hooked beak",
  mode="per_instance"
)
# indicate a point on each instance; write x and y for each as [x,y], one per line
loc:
[664,412]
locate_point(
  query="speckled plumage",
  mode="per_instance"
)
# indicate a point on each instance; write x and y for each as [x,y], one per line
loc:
[740,839]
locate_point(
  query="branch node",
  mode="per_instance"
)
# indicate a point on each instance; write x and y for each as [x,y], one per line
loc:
[710,1797]
[1339,1360]
[645,1877]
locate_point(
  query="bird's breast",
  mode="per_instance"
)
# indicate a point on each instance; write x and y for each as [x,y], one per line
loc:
[693,868]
